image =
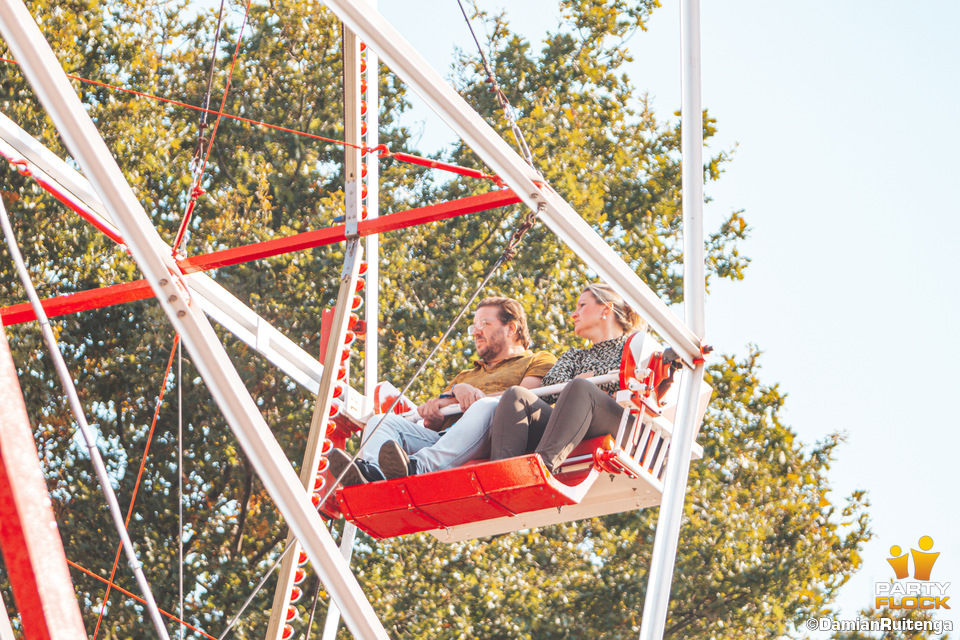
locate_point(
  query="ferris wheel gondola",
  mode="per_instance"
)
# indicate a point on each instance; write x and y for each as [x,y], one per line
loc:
[602,475]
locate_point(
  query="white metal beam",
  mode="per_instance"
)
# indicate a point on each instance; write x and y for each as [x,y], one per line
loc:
[81,137]
[16,145]
[37,154]
[666,540]
[243,322]
[559,216]
[332,621]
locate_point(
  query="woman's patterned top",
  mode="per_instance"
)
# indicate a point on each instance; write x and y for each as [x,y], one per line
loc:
[601,358]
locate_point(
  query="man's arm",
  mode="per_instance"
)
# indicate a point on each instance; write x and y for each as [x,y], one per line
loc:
[541,364]
[462,393]
[430,410]
[531,382]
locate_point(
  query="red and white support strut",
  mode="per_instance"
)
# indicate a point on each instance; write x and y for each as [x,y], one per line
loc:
[32,549]
[370,130]
[338,338]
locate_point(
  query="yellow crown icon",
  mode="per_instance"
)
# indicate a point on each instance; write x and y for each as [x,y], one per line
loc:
[923,560]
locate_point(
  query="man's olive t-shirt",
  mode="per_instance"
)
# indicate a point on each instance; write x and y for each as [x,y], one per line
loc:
[492,379]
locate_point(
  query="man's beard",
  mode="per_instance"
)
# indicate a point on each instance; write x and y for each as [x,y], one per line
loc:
[494,347]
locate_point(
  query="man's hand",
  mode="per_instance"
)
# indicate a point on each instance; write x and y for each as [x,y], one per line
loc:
[466,395]
[430,411]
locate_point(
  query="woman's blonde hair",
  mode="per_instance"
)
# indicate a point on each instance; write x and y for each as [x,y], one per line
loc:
[627,318]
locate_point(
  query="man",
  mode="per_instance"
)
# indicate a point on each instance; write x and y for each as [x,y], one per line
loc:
[501,337]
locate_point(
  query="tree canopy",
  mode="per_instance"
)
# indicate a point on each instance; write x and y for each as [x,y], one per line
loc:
[761,549]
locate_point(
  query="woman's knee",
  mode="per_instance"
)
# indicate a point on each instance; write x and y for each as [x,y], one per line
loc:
[518,396]
[511,394]
[578,395]
[579,388]
[581,385]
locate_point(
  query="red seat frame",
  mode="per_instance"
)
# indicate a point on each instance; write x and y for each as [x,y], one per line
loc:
[481,490]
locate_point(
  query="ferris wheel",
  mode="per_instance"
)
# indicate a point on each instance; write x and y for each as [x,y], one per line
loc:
[645,464]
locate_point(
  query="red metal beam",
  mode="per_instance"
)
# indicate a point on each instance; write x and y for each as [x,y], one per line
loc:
[82,211]
[330,235]
[82,301]
[32,549]
[445,166]
[139,290]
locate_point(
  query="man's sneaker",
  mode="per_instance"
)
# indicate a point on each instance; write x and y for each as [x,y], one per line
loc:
[370,471]
[340,464]
[394,461]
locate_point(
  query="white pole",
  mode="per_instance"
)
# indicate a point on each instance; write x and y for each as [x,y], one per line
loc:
[665,542]
[333,613]
[660,578]
[371,293]
[691,145]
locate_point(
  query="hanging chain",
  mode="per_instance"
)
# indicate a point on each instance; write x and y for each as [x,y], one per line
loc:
[508,110]
[196,164]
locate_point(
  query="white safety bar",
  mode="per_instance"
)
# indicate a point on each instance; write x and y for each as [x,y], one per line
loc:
[454,409]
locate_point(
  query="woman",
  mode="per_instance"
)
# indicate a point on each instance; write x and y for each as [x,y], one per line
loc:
[524,423]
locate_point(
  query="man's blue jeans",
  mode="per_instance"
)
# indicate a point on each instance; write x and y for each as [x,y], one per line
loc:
[467,439]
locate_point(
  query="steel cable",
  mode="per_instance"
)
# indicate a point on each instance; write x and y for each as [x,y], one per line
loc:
[77,407]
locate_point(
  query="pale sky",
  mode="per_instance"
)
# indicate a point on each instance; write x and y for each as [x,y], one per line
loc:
[844,116]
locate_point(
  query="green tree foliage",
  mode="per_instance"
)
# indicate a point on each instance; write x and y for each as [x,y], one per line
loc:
[255,190]
[761,549]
